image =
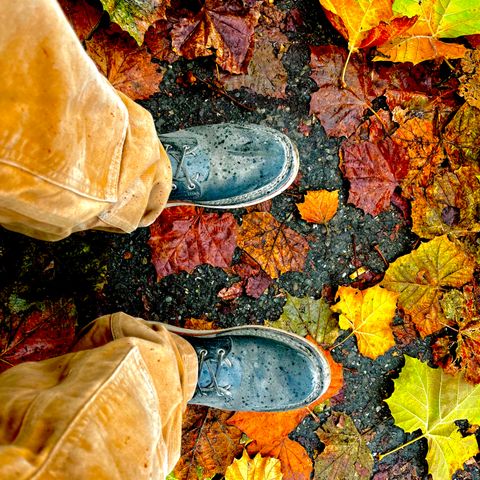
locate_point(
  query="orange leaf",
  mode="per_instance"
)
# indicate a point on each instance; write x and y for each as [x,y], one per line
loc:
[270,430]
[184,237]
[127,66]
[319,206]
[209,444]
[277,248]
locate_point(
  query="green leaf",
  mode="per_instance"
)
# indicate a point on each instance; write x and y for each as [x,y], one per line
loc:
[428,399]
[135,16]
[307,316]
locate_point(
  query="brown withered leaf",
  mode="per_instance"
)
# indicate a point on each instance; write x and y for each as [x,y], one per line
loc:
[421,276]
[276,247]
[159,43]
[36,332]
[127,66]
[341,110]
[462,136]
[459,349]
[418,137]
[346,454]
[231,292]
[83,17]
[319,206]
[374,170]
[209,444]
[184,237]
[222,27]
[135,16]
[449,205]
[266,74]
[470,80]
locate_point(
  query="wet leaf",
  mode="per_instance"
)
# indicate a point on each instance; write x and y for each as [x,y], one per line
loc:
[266,74]
[184,237]
[276,247]
[374,170]
[129,68]
[135,16]
[459,349]
[417,136]
[83,17]
[36,332]
[222,27]
[307,316]
[462,136]
[369,314]
[449,205]
[358,17]
[341,110]
[469,87]
[258,468]
[346,454]
[421,276]
[159,43]
[435,20]
[269,431]
[319,206]
[199,452]
[428,399]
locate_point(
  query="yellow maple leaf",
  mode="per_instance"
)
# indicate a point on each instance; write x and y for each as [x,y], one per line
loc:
[428,399]
[368,313]
[319,206]
[435,20]
[258,468]
[420,277]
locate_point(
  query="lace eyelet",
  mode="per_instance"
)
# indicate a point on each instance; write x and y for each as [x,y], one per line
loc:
[174,187]
[191,186]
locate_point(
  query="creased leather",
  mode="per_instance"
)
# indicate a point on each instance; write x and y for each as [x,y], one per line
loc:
[74,153]
[112,409]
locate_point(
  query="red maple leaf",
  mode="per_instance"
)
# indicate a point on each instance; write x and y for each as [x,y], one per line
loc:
[184,237]
[222,27]
[341,110]
[45,332]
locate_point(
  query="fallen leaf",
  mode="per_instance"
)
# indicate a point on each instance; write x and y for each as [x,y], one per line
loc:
[269,431]
[358,17]
[449,205]
[129,68]
[341,110]
[459,349]
[265,74]
[435,20]
[159,43]
[37,332]
[426,398]
[319,206]
[462,136]
[209,443]
[256,285]
[231,292]
[258,468]
[421,276]
[135,16]
[374,170]
[184,237]
[417,136]
[277,248]
[397,471]
[469,87]
[83,17]
[222,27]
[346,454]
[199,324]
[369,314]
[307,316]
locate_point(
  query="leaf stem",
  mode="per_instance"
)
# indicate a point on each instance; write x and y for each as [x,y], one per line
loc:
[343,83]
[343,341]
[383,455]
